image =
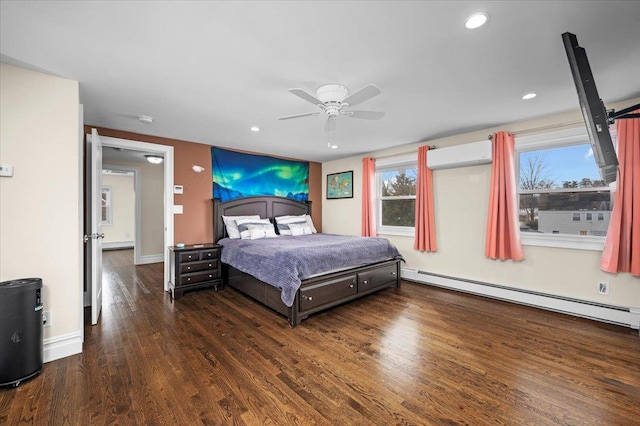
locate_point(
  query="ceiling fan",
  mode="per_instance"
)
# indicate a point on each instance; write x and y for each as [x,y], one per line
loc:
[334,99]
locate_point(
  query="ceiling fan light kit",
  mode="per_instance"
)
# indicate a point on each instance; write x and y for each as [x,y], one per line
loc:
[333,99]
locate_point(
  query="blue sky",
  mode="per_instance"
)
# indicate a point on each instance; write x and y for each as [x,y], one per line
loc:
[567,163]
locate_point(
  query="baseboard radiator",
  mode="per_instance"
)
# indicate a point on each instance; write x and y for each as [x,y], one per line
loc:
[628,317]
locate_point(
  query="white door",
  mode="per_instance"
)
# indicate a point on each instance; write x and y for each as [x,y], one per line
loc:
[95,239]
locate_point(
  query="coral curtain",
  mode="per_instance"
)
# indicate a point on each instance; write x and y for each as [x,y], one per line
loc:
[368,196]
[503,225]
[621,251]
[425,237]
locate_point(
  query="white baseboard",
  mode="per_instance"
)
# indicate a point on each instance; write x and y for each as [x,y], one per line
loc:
[150,258]
[628,317]
[117,245]
[62,346]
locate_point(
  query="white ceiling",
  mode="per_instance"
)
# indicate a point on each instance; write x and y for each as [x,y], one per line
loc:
[208,71]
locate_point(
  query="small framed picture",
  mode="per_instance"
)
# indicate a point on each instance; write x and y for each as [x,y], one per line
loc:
[340,185]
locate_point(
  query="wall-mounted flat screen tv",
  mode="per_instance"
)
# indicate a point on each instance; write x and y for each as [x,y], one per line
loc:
[593,110]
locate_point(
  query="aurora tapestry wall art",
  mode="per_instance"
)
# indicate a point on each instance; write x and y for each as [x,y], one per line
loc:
[237,175]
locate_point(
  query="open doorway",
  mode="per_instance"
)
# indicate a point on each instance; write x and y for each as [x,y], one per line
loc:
[162,234]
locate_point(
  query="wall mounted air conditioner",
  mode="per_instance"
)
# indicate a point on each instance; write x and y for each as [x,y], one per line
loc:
[470,154]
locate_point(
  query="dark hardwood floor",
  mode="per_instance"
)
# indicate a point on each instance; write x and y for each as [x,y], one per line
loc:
[418,355]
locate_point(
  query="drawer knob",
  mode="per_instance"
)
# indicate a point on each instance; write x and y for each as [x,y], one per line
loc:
[210,276]
[188,279]
[393,273]
[310,297]
[350,285]
[189,256]
[210,265]
[365,282]
[188,268]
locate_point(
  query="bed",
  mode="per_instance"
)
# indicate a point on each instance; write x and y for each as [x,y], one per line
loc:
[316,293]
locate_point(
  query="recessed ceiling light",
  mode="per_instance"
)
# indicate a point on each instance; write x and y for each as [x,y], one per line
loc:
[146,119]
[476,20]
[529,96]
[255,128]
[334,146]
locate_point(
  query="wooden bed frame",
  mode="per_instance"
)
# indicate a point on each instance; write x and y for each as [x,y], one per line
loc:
[315,294]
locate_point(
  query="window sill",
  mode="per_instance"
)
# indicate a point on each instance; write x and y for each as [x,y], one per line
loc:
[396,230]
[577,242]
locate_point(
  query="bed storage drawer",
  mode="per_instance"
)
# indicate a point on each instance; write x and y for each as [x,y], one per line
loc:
[318,295]
[377,278]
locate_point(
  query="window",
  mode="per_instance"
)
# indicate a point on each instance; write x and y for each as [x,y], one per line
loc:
[396,180]
[107,218]
[560,190]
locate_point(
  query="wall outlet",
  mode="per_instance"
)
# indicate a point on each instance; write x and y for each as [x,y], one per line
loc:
[46,319]
[603,288]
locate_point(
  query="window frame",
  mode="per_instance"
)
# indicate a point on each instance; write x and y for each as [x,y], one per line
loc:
[107,189]
[549,140]
[386,165]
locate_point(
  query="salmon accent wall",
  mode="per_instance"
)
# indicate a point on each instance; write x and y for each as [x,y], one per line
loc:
[195,225]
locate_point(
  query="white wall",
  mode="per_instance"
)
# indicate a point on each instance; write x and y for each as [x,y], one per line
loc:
[461,204]
[40,206]
[151,207]
[121,231]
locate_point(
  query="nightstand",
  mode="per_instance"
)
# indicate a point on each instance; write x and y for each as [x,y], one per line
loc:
[194,267]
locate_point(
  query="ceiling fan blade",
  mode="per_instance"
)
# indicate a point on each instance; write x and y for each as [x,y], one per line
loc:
[306,114]
[330,124]
[366,93]
[367,115]
[306,96]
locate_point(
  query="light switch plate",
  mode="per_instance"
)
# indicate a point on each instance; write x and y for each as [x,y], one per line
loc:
[6,170]
[177,209]
[178,189]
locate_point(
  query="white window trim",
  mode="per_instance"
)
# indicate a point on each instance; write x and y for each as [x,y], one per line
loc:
[389,164]
[557,139]
[108,190]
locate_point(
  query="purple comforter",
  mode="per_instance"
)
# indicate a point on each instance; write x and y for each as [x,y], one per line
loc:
[284,261]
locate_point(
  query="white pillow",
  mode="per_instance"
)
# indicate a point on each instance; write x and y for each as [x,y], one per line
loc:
[300,229]
[230,224]
[243,226]
[257,232]
[284,220]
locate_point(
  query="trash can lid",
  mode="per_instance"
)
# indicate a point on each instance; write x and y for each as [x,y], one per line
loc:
[21,284]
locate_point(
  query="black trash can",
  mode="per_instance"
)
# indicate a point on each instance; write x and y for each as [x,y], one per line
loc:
[21,350]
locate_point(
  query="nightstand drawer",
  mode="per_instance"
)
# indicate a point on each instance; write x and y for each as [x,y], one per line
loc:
[197,277]
[205,265]
[189,256]
[209,254]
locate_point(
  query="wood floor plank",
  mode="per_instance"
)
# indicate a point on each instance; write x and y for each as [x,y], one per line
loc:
[418,355]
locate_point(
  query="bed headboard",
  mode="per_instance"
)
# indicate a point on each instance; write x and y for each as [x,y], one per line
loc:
[266,207]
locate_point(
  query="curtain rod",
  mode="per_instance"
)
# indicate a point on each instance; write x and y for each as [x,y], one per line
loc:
[541,128]
[398,154]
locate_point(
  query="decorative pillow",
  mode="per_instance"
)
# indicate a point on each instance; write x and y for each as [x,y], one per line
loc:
[261,231]
[300,229]
[243,226]
[230,224]
[285,220]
